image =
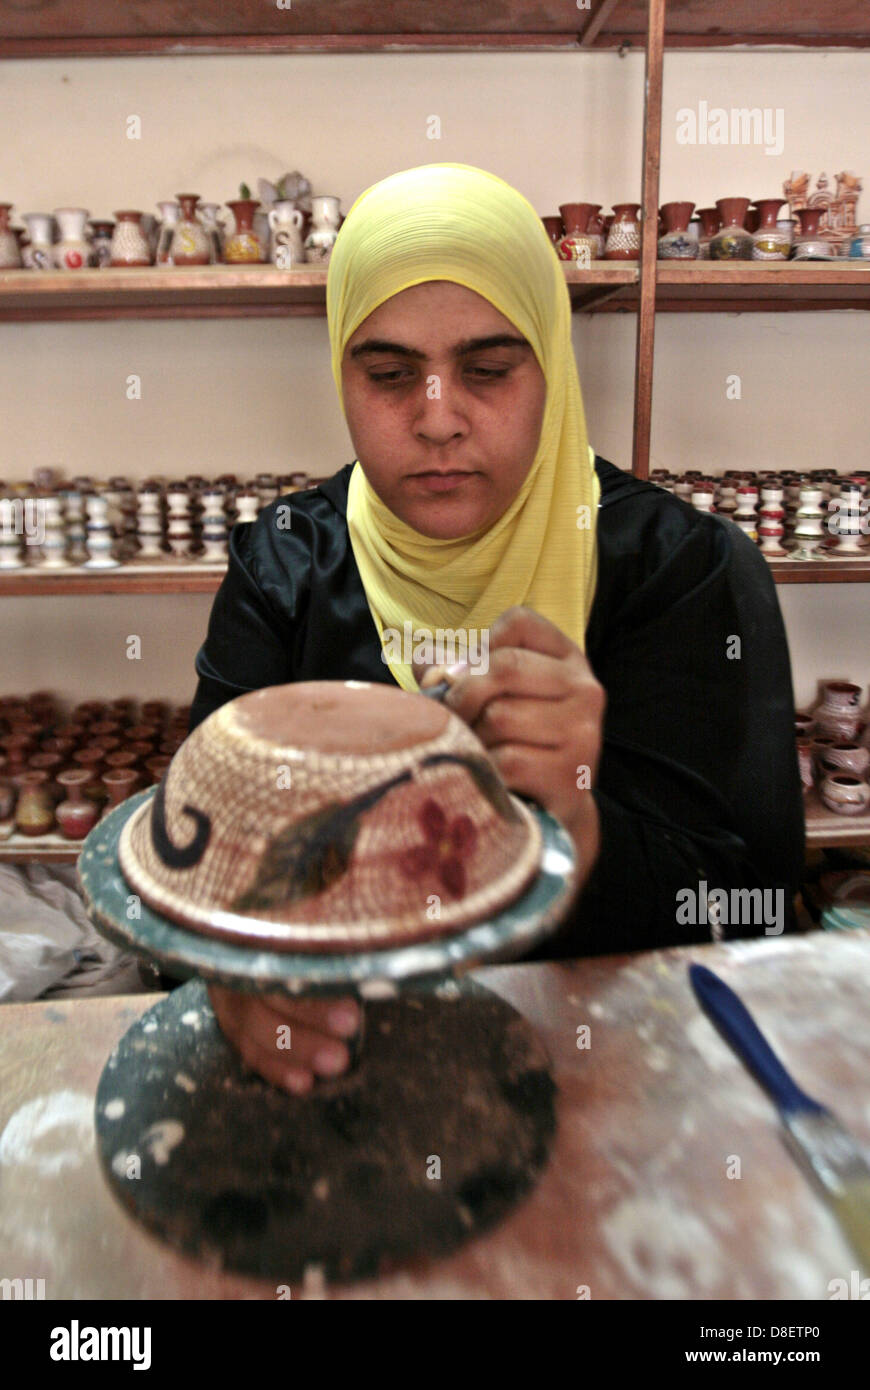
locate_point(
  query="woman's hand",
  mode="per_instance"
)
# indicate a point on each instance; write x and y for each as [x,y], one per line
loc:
[287,1041]
[538,710]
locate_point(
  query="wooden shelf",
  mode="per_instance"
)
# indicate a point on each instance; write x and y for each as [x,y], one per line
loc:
[708,287]
[224,291]
[826,830]
[39,849]
[827,571]
[192,578]
[93,28]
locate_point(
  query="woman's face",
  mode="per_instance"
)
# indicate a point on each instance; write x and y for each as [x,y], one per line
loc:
[444,401]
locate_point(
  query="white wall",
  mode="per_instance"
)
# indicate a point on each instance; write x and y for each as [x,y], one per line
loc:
[258,394]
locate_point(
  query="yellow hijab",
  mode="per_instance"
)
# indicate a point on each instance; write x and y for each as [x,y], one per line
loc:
[455,222]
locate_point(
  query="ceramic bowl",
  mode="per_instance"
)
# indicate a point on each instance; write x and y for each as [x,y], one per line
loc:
[357,816]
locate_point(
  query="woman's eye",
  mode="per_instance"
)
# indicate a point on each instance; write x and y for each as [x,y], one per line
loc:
[398,374]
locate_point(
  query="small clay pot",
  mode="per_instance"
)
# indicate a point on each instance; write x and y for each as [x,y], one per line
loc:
[77,814]
[106,726]
[105,742]
[120,783]
[840,757]
[121,758]
[157,767]
[34,811]
[137,733]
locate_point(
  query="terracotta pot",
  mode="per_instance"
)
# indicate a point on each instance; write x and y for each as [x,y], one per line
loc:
[76,815]
[157,766]
[106,726]
[34,811]
[732,242]
[122,758]
[129,243]
[120,783]
[623,237]
[554,227]
[137,733]
[154,711]
[190,244]
[769,242]
[50,763]
[89,711]
[579,243]
[92,760]
[675,242]
[243,246]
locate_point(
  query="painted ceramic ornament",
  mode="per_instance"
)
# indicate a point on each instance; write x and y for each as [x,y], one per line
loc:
[73,250]
[623,237]
[733,242]
[129,243]
[191,243]
[242,246]
[676,244]
[326,221]
[769,242]
[579,243]
[330,817]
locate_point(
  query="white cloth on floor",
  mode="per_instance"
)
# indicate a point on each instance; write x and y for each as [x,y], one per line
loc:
[48,942]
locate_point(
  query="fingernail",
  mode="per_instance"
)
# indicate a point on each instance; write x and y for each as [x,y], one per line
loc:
[299,1082]
[459,668]
[330,1060]
[343,1021]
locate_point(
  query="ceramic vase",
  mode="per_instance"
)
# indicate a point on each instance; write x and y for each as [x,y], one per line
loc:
[170,213]
[677,244]
[732,242]
[838,716]
[703,496]
[34,810]
[149,524]
[710,224]
[213,227]
[129,244]
[76,815]
[243,246]
[73,250]
[248,504]
[10,252]
[554,228]
[120,783]
[847,795]
[768,243]
[578,244]
[623,238]
[38,255]
[286,223]
[214,528]
[101,242]
[325,223]
[859,246]
[809,245]
[191,244]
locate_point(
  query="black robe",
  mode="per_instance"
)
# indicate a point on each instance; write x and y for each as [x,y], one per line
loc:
[698,781]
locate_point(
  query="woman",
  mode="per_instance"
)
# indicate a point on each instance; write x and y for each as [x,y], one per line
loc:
[636,680]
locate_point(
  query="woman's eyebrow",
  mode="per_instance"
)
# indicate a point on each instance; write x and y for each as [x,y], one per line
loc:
[495,340]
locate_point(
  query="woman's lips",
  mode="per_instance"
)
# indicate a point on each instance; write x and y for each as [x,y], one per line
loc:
[441,482]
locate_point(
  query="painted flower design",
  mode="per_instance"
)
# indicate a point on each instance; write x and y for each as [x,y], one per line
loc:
[447,846]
